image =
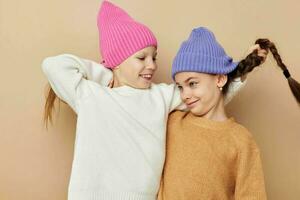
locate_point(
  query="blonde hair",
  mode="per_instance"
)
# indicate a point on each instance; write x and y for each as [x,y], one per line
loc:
[49,106]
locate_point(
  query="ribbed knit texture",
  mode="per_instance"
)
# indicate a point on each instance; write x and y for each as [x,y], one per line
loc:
[119,148]
[209,160]
[202,53]
[120,36]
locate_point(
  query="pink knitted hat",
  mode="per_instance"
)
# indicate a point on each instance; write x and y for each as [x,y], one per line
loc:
[120,36]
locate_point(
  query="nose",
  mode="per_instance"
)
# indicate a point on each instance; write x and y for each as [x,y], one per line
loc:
[185,94]
[151,65]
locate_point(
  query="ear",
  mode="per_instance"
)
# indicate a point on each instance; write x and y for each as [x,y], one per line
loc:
[221,80]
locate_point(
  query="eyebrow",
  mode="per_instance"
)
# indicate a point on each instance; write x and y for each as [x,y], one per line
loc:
[140,54]
[187,80]
[144,54]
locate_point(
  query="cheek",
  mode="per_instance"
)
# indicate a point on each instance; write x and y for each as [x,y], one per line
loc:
[155,68]
[132,72]
[137,67]
[210,91]
[205,103]
[126,73]
[206,96]
[202,93]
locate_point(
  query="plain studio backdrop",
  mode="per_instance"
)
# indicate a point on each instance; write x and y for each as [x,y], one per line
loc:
[35,163]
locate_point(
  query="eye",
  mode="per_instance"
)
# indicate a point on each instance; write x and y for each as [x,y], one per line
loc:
[180,87]
[193,84]
[154,58]
[141,58]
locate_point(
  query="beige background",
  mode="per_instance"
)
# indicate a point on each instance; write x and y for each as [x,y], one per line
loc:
[35,164]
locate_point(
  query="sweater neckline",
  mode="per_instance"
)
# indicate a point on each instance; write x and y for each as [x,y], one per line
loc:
[208,123]
[128,90]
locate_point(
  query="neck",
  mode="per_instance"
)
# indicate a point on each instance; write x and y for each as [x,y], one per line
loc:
[217,112]
[116,80]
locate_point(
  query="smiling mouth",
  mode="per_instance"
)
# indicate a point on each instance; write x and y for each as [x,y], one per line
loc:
[148,77]
[191,104]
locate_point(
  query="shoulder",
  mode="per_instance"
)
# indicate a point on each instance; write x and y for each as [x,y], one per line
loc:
[176,116]
[163,87]
[243,137]
[166,91]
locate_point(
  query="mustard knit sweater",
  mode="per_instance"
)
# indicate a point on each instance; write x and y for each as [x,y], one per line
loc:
[209,160]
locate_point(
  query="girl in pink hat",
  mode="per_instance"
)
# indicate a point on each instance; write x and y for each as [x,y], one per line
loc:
[121,115]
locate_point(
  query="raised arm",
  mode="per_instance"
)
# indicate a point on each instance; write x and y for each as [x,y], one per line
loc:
[68,76]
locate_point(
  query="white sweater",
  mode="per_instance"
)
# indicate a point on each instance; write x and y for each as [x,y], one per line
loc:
[120,134]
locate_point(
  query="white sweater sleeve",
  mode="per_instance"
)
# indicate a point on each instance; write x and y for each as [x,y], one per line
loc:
[177,103]
[171,95]
[234,87]
[68,76]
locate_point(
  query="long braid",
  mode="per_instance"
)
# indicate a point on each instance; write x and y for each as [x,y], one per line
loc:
[253,60]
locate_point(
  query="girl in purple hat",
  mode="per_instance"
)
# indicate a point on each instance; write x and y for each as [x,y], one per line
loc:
[209,155]
[120,133]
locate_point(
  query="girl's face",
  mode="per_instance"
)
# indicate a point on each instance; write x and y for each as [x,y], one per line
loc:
[137,70]
[199,91]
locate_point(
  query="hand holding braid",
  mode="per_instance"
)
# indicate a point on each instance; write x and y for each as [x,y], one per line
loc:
[253,60]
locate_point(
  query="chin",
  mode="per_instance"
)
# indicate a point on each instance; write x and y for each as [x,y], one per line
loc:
[195,112]
[199,111]
[142,86]
[145,86]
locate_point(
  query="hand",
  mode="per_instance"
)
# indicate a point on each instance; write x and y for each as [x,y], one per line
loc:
[111,83]
[260,52]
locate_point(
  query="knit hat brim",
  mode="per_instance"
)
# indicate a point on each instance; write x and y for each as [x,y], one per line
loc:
[209,65]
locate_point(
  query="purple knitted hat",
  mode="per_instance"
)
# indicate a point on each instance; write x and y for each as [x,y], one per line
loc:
[202,53]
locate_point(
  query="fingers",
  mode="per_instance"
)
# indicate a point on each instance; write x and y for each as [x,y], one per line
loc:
[258,48]
[263,53]
[111,83]
[253,48]
[260,52]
